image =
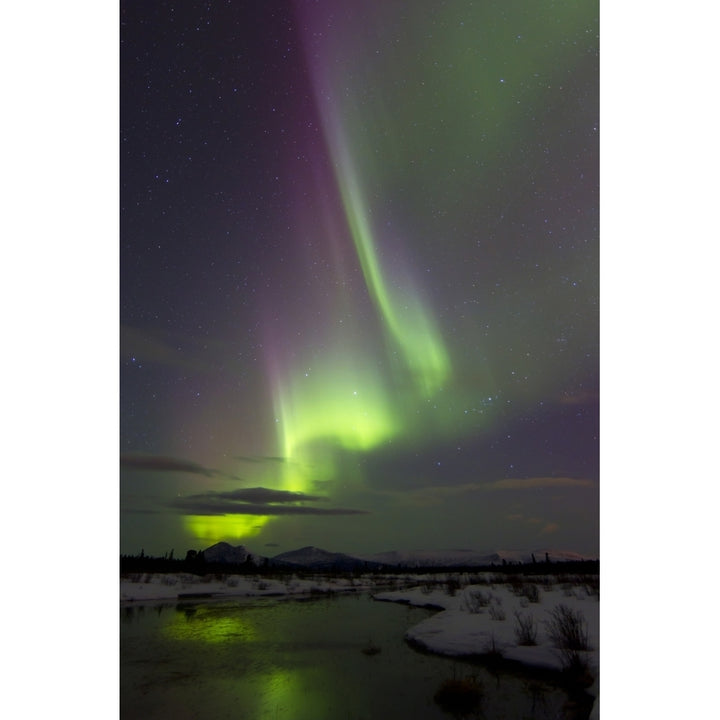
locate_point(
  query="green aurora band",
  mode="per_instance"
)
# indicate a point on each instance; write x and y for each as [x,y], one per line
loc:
[348,402]
[407,321]
[432,124]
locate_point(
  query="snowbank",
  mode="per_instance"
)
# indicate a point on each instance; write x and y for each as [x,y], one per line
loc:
[473,619]
[483,619]
[156,586]
[479,619]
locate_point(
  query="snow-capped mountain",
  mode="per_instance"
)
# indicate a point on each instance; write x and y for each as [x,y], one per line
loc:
[469,558]
[318,559]
[223,552]
[433,558]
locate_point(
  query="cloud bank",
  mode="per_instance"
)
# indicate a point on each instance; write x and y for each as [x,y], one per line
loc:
[536,482]
[256,501]
[157,463]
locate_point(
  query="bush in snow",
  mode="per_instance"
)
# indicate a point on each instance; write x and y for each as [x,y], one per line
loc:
[525,590]
[525,629]
[496,611]
[568,631]
[476,600]
[493,653]
[592,586]
[531,592]
[453,585]
[567,628]
[475,579]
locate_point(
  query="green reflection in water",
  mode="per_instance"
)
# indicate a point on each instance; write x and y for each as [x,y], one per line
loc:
[209,624]
[285,660]
[273,687]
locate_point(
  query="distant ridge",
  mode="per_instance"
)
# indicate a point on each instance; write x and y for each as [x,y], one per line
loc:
[315,558]
[318,559]
[434,558]
[470,558]
[223,552]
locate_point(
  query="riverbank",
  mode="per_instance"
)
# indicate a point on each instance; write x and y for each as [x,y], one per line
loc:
[552,627]
[545,622]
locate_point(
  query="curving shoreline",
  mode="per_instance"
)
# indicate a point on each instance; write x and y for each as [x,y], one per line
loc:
[479,622]
[474,620]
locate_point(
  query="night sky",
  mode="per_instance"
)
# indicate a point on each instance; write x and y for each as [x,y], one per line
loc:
[359,275]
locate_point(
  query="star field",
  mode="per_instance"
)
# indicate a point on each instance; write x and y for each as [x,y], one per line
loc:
[359,275]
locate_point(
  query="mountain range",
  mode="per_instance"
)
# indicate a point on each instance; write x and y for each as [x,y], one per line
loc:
[318,559]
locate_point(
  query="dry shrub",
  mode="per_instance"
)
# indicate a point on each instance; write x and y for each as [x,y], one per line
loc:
[476,600]
[496,612]
[531,592]
[525,629]
[567,628]
[568,631]
[453,584]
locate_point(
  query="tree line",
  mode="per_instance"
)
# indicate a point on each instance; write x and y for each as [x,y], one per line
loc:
[194,562]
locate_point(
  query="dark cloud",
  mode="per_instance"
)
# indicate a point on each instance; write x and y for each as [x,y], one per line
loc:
[550,528]
[262,495]
[537,482]
[260,458]
[157,463]
[255,501]
[200,507]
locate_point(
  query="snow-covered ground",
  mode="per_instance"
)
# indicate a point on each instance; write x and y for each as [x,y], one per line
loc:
[481,619]
[150,587]
[478,614]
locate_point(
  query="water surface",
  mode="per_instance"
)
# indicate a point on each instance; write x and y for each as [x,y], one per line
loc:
[298,660]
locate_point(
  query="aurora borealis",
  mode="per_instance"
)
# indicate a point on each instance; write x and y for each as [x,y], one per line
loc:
[359,275]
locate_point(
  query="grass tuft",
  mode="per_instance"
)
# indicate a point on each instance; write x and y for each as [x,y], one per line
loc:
[476,600]
[567,629]
[525,629]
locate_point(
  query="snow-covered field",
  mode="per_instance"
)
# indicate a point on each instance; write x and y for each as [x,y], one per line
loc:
[477,614]
[483,619]
[155,586]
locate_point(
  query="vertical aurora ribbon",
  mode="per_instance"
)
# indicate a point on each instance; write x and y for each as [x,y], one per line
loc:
[407,321]
[367,383]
